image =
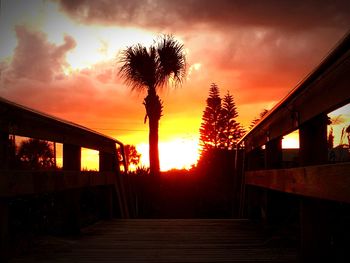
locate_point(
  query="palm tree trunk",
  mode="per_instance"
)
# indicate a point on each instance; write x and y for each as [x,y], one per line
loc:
[153,107]
[153,147]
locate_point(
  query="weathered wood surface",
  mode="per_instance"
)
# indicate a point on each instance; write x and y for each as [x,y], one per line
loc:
[15,183]
[156,240]
[331,182]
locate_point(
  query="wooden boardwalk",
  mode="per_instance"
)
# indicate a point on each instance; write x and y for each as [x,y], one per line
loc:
[161,240]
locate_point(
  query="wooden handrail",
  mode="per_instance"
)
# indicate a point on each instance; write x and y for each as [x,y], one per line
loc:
[23,121]
[322,91]
[330,181]
[17,183]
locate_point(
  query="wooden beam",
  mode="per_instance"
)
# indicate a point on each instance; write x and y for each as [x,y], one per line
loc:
[22,121]
[16,183]
[330,182]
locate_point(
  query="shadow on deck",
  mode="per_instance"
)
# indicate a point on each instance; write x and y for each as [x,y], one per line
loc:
[164,240]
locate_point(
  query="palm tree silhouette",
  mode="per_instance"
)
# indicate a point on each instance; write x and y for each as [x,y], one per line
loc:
[150,69]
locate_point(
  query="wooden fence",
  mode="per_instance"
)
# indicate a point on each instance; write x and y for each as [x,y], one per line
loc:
[69,182]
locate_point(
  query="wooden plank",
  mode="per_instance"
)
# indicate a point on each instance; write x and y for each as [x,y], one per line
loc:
[157,240]
[14,183]
[331,182]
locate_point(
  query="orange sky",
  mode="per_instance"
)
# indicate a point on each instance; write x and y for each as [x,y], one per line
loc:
[61,57]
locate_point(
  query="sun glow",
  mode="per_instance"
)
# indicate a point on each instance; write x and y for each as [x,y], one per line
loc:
[93,43]
[174,154]
[103,44]
[89,160]
[291,141]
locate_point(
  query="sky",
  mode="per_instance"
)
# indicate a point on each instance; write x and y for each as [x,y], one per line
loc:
[61,57]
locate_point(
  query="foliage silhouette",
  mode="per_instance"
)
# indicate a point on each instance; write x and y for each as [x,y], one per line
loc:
[330,139]
[210,127]
[219,128]
[131,154]
[150,69]
[36,154]
[232,131]
[256,120]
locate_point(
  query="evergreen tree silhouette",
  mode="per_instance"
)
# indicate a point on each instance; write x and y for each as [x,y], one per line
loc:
[231,130]
[219,128]
[211,120]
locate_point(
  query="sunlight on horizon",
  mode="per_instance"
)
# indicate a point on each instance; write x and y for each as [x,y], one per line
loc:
[173,154]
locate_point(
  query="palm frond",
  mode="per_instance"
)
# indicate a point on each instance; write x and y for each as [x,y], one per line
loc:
[171,60]
[139,67]
[151,68]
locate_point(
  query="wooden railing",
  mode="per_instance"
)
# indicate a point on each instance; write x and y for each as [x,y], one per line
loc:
[21,183]
[317,186]
[66,184]
[328,181]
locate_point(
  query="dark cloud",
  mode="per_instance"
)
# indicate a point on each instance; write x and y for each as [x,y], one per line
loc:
[246,46]
[251,61]
[293,15]
[243,46]
[35,58]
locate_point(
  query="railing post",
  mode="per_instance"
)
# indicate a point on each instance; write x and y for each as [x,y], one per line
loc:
[71,198]
[273,154]
[255,196]
[313,141]
[4,215]
[4,229]
[4,150]
[314,214]
[71,157]
[272,205]
[107,163]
